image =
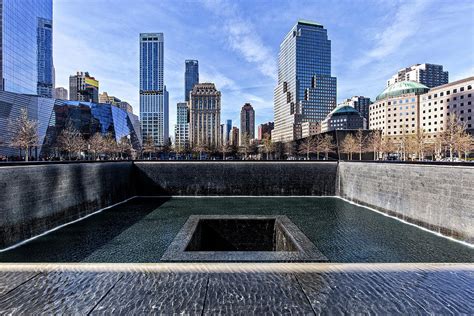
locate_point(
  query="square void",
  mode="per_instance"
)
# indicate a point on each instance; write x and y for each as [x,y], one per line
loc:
[241,238]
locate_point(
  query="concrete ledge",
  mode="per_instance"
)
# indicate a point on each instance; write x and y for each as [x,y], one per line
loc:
[236,178]
[439,198]
[36,198]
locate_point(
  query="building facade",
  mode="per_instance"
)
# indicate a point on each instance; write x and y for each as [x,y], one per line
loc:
[395,111]
[234,139]
[154,110]
[360,103]
[26,47]
[429,75]
[306,91]
[52,116]
[61,93]
[265,130]
[247,123]
[191,77]
[455,98]
[343,117]
[205,115]
[227,132]
[104,97]
[83,87]
[310,129]
[181,130]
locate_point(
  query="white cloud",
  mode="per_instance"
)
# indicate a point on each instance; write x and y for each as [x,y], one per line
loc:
[243,38]
[406,23]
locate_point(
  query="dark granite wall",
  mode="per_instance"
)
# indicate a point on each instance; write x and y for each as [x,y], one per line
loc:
[36,198]
[236,178]
[437,197]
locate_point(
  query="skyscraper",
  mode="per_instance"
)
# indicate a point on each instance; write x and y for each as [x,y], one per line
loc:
[228,128]
[205,115]
[154,111]
[83,87]
[181,130]
[306,92]
[428,74]
[191,77]
[265,130]
[247,123]
[26,58]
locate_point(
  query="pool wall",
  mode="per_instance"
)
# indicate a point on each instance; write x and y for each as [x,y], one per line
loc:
[437,197]
[36,198]
[236,178]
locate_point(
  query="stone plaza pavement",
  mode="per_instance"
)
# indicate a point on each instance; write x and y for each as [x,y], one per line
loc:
[237,288]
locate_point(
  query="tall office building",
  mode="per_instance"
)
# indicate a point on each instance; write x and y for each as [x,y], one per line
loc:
[360,103]
[83,87]
[429,75]
[205,115]
[247,123]
[227,131]
[181,129]
[234,138]
[191,77]
[265,130]
[306,92]
[26,57]
[154,111]
[60,93]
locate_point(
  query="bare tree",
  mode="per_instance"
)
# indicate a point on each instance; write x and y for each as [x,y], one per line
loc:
[226,148]
[465,144]
[452,132]
[268,145]
[111,146]
[374,142]
[25,133]
[149,145]
[349,145]
[308,146]
[96,144]
[387,146]
[124,146]
[411,147]
[290,148]
[360,140]
[327,145]
[200,148]
[421,143]
[70,140]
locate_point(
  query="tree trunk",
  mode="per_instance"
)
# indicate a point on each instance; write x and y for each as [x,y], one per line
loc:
[27,153]
[360,155]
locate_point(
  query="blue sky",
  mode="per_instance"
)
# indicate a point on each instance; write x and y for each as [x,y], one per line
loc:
[237,43]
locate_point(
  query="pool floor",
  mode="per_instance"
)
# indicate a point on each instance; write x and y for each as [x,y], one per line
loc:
[141,230]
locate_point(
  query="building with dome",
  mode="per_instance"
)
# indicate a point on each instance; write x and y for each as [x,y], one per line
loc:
[343,117]
[406,107]
[396,110]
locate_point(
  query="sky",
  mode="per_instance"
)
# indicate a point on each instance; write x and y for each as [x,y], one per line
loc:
[237,44]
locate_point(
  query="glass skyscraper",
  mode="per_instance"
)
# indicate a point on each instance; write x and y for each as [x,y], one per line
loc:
[154,110]
[191,77]
[26,57]
[306,92]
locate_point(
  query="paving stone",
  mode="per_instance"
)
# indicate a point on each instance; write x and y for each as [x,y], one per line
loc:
[59,293]
[255,294]
[412,292]
[155,293]
[9,280]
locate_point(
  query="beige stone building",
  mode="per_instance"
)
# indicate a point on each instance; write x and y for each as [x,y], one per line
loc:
[406,107]
[396,110]
[455,98]
[205,115]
